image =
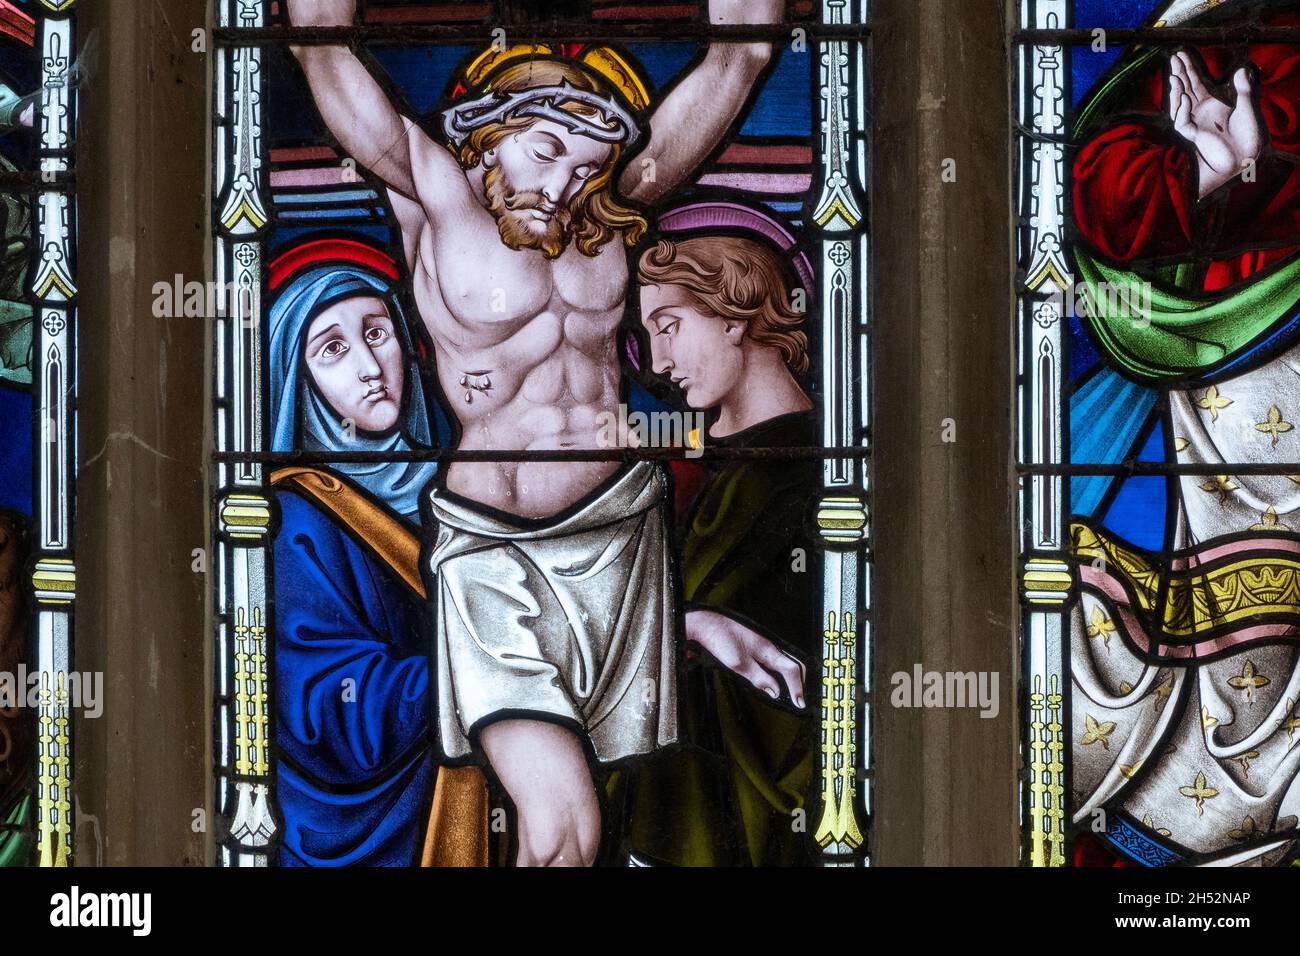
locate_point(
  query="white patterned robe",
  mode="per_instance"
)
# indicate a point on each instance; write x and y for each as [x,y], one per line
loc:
[1206,753]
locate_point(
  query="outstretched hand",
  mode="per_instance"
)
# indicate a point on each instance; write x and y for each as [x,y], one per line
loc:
[746,652]
[322,13]
[1227,139]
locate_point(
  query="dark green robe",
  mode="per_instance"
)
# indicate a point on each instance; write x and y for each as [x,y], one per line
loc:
[728,795]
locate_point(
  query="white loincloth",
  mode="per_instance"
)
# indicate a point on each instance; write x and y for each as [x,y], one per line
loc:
[572,620]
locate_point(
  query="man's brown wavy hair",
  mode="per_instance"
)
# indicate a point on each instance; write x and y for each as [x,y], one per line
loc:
[730,277]
[597,216]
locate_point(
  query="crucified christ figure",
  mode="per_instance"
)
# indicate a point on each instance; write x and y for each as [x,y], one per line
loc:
[556,615]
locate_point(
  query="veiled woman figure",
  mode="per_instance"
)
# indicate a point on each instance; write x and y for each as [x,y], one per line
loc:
[351,669]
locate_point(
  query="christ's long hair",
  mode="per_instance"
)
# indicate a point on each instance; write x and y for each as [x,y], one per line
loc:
[595,216]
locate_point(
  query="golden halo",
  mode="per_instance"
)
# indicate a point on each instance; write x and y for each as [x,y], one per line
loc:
[601,60]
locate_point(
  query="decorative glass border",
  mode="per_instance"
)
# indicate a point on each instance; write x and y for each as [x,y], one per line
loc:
[54,293]
[51,285]
[1046,579]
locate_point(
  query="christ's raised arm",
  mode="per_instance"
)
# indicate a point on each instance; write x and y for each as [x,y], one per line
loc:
[692,119]
[356,109]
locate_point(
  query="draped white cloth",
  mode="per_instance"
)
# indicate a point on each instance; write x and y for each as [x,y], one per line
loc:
[573,620]
[1205,752]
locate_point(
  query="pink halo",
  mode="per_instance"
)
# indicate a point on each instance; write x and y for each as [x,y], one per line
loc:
[705,216]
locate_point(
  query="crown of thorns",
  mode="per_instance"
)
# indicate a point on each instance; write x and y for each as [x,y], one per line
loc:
[544,102]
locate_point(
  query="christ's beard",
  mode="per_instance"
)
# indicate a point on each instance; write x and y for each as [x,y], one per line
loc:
[519,228]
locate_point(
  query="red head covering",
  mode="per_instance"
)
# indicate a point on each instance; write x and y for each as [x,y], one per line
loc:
[330,250]
[17,23]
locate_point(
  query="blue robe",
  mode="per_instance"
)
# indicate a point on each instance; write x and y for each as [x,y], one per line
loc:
[355,769]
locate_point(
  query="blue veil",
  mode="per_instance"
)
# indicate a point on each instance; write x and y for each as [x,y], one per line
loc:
[302,419]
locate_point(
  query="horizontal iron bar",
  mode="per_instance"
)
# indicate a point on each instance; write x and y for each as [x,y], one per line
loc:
[1168,469]
[588,31]
[29,179]
[540,455]
[1159,36]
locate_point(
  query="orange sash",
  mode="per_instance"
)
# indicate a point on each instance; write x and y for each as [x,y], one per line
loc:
[457,832]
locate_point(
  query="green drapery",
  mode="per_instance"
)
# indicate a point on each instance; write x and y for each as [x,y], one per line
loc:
[1182,334]
[16,844]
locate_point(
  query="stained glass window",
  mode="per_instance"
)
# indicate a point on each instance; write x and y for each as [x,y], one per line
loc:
[38,446]
[1159,459]
[541,433]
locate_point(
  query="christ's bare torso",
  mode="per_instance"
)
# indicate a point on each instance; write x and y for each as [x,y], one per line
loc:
[526,355]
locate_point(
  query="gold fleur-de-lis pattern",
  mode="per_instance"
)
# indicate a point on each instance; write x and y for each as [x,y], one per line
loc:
[1224,503]
[1248,681]
[1150,825]
[1268,521]
[1221,485]
[1163,690]
[1214,402]
[1274,425]
[1245,760]
[1200,748]
[1102,626]
[1200,781]
[1246,831]
[1251,419]
[1097,731]
[1199,791]
[1289,721]
[1216,777]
